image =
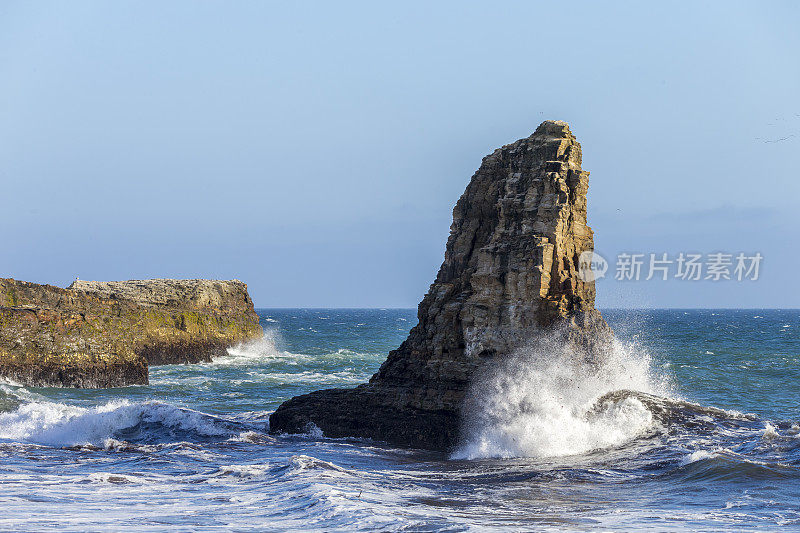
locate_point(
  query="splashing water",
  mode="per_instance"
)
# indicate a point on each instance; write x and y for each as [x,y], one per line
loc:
[246,353]
[541,402]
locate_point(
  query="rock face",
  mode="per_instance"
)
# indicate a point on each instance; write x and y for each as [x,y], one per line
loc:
[511,270]
[105,334]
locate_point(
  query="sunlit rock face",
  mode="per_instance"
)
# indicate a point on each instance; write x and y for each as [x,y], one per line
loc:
[511,270]
[105,334]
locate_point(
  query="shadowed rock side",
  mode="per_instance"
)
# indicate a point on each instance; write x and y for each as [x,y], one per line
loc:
[510,271]
[104,334]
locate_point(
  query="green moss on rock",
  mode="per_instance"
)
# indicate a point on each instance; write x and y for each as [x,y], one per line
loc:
[97,334]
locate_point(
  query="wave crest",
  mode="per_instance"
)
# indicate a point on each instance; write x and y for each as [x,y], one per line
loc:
[60,425]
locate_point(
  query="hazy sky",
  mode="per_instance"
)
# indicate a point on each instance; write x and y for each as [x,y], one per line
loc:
[316,151]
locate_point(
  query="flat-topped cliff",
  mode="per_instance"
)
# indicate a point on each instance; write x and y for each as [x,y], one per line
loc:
[511,271]
[105,334]
[198,294]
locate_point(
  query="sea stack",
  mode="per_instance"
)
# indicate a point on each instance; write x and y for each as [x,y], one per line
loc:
[105,334]
[511,271]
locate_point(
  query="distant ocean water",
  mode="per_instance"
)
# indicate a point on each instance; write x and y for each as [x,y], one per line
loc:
[693,426]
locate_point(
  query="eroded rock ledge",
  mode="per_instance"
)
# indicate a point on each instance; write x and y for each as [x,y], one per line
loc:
[105,334]
[510,271]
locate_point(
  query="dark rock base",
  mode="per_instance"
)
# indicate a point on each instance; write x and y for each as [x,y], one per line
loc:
[93,376]
[183,353]
[365,412]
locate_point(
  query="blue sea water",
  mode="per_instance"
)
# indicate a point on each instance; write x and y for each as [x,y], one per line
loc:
[693,426]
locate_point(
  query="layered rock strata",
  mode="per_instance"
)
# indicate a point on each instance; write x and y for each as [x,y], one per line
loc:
[105,334]
[511,271]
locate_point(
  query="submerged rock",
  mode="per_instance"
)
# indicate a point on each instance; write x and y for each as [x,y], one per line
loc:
[511,270]
[105,334]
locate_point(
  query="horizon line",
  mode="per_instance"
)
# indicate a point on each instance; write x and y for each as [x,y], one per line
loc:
[389,308]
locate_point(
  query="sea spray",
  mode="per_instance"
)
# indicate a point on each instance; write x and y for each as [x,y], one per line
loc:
[541,402]
[246,353]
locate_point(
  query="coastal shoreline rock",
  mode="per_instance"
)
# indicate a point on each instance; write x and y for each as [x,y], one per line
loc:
[511,271]
[106,334]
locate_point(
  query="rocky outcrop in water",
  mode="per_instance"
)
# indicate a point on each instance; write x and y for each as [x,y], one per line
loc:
[511,270]
[105,334]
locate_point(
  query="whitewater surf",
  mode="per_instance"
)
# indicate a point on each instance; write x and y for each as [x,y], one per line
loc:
[662,436]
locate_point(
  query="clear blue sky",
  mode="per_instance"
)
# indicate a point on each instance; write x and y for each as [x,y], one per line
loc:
[315,151]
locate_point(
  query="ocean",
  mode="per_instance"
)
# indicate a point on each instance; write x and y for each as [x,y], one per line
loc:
[693,425]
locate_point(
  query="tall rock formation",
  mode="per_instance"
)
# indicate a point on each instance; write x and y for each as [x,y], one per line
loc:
[511,270]
[105,334]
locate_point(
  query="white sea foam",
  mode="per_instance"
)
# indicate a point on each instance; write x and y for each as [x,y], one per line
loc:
[264,350]
[770,432]
[345,377]
[540,403]
[245,471]
[698,455]
[56,424]
[117,479]
[252,437]
[306,462]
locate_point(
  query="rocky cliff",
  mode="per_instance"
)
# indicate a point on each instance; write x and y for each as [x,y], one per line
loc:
[511,271]
[105,334]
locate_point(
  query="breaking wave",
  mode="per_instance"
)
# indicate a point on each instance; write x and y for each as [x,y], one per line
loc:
[8,400]
[544,402]
[109,425]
